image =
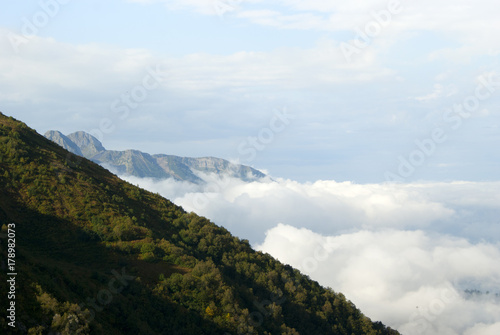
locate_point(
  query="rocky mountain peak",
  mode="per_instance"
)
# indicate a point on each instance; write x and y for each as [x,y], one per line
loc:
[88,144]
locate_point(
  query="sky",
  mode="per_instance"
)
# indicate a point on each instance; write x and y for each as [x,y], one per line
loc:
[364,82]
[376,120]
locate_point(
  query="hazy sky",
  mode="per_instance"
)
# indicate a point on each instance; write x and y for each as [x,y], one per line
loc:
[361,81]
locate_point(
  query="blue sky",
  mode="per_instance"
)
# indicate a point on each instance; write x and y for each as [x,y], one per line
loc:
[357,116]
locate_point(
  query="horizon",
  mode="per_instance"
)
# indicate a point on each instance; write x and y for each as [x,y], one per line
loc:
[263,170]
[397,179]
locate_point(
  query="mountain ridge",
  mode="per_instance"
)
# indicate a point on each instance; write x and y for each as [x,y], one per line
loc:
[64,141]
[159,166]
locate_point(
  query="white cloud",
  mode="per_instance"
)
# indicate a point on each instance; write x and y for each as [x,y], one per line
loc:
[50,64]
[422,257]
[412,280]
[50,70]
[463,209]
[483,329]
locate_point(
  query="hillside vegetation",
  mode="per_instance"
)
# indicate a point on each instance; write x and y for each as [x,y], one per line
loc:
[97,255]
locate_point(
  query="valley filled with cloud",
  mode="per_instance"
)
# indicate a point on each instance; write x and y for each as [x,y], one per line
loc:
[424,257]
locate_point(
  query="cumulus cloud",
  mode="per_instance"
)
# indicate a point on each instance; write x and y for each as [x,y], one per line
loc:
[418,282]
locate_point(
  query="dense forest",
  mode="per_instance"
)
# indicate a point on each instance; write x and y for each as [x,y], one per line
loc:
[97,255]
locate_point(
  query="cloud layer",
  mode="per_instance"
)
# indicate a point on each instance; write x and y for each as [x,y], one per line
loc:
[423,258]
[463,209]
[418,282]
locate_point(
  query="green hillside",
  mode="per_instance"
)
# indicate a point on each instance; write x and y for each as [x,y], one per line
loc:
[97,255]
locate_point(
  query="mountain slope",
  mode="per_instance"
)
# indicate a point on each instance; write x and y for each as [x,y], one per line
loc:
[88,144]
[140,164]
[97,255]
[131,162]
[64,141]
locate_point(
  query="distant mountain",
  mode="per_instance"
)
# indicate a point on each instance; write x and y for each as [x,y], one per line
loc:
[92,254]
[63,141]
[88,144]
[140,164]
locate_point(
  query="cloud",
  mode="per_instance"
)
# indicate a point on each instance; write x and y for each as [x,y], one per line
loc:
[79,84]
[332,207]
[47,63]
[413,280]
[483,329]
[462,209]
[55,72]
[174,188]
[421,257]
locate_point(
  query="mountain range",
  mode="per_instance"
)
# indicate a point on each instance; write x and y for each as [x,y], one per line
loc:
[140,164]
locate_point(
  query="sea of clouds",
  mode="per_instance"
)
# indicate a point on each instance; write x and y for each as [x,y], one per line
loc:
[423,258]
